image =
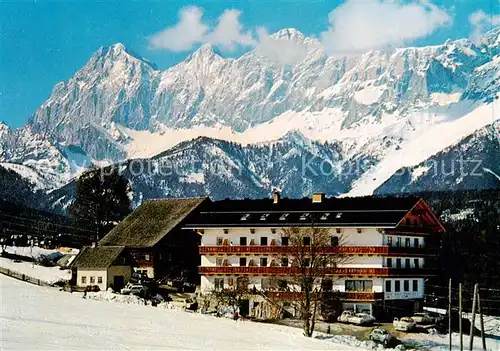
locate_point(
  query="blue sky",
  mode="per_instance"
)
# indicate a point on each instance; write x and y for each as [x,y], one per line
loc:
[43,42]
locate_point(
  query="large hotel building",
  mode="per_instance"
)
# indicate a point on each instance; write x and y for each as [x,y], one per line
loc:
[388,241]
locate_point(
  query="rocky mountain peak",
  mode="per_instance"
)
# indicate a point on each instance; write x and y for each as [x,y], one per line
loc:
[289,34]
[205,52]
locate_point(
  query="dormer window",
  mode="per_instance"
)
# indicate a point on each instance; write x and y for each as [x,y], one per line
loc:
[245,216]
[304,216]
[264,216]
[284,216]
[339,215]
[325,216]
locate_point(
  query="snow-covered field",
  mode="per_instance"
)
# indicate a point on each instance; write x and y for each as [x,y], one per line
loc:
[47,274]
[28,251]
[35,317]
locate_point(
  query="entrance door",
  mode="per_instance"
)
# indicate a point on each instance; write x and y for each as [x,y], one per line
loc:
[244,307]
[118,282]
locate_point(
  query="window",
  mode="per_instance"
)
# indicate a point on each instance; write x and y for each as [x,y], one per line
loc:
[243,241]
[282,284]
[389,262]
[407,221]
[264,216]
[398,242]
[146,257]
[406,285]
[398,263]
[415,285]
[416,263]
[304,216]
[415,242]
[99,280]
[358,285]
[263,261]
[334,240]
[84,280]
[263,240]
[92,280]
[219,283]
[245,216]
[219,261]
[389,240]
[307,240]
[307,262]
[284,262]
[284,240]
[243,261]
[407,242]
[226,231]
[327,285]
[284,216]
[230,282]
[408,263]
[325,216]
[388,286]
[220,240]
[252,231]
[397,286]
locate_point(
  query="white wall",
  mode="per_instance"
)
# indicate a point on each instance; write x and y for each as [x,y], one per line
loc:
[349,236]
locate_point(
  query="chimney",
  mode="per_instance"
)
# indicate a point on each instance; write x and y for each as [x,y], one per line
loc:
[318,197]
[276,197]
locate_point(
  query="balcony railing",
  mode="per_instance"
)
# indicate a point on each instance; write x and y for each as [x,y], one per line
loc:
[344,250]
[373,272]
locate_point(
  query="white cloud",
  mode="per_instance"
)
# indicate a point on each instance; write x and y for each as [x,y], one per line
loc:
[286,47]
[228,32]
[481,23]
[358,26]
[188,32]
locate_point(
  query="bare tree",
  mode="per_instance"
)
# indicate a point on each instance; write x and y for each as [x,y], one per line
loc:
[312,253]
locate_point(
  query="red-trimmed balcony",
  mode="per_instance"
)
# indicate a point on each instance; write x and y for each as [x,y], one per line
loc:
[346,272]
[344,250]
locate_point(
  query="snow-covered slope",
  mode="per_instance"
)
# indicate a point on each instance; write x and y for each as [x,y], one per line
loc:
[55,320]
[386,109]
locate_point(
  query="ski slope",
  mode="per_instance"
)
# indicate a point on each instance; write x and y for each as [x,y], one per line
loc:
[40,318]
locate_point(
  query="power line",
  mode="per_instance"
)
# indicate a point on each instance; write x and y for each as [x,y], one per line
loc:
[54,224]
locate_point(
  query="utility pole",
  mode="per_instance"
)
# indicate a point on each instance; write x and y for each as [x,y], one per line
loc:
[471,337]
[449,310]
[481,319]
[460,317]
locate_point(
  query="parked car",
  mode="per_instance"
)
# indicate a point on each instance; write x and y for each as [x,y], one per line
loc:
[424,318]
[404,324]
[329,317]
[356,318]
[134,289]
[188,287]
[382,336]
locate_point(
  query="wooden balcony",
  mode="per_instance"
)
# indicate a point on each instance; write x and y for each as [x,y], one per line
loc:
[345,272]
[287,250]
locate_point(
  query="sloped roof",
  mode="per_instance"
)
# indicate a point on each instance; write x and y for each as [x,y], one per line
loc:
[97,257]
[151,221]
[341,212]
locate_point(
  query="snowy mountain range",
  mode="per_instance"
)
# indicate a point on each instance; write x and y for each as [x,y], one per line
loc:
[254,123]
